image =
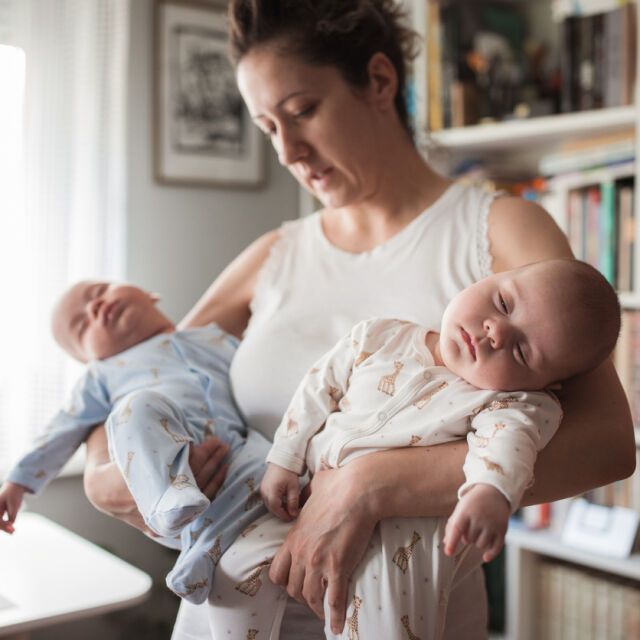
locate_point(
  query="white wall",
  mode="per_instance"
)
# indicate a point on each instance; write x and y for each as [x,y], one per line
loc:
[179,239]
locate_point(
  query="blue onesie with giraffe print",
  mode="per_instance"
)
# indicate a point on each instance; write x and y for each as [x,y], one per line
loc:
[156,398]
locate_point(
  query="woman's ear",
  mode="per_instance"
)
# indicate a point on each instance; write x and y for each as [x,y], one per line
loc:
[383,80]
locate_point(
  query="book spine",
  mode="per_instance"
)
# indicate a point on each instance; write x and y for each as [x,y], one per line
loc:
[434,65]
[607,231]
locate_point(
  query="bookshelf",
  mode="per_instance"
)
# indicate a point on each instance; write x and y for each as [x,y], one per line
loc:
[524,142]
[525,550]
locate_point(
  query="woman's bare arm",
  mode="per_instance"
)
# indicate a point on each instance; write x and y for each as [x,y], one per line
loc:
[594,446]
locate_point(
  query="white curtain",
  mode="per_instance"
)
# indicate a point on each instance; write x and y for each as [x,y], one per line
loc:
[63,81]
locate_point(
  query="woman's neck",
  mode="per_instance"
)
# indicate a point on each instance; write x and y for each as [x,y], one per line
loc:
[404,187]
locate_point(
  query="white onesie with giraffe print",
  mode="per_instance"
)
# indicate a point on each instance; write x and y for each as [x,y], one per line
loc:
[378,388]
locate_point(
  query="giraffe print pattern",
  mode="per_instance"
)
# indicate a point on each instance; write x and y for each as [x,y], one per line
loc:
[502,404]
[164,423]
[492,466]
[127,469]
[292,425]
[405,623]
[403,554]
[125,415]
[422,402]
[387,383]
[252,584]
[192,588]
[352,620]
[215,553]
[333,403]
[195,533]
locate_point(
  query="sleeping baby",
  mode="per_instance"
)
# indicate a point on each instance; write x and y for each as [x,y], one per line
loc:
[159,390]
[392,383]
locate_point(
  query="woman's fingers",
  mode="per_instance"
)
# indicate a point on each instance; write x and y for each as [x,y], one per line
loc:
[280,565]
[325,545]
[337,601]
[313,590]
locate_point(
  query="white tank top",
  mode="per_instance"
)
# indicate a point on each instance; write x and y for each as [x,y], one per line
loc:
[309,293]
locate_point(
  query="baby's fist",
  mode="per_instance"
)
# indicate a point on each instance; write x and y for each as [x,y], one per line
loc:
[280,491]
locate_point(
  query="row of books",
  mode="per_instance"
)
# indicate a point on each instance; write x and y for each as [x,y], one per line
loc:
[600,228]
[478,68]
[598,59]
[580,604]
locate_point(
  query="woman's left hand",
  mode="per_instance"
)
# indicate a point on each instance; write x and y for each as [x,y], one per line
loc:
[326,543]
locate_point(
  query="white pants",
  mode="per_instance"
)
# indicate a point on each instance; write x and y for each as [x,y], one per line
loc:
[400,588]
[466,617]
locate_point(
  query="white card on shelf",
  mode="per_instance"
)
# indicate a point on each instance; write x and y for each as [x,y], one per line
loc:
[609,531]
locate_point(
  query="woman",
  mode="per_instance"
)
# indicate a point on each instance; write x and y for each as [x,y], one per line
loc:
[325,82]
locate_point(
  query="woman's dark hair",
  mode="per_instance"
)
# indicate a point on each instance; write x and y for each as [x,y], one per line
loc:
[340,33]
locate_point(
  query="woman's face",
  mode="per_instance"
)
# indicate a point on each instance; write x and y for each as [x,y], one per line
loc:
[323,130]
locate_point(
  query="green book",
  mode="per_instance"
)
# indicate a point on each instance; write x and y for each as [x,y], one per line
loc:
[607,231]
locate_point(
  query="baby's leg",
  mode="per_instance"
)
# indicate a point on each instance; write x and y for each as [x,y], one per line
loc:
[243,602]
[149,440]
[235,507]
[401,586]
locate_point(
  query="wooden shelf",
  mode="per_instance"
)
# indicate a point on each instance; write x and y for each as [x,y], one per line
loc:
[544,131]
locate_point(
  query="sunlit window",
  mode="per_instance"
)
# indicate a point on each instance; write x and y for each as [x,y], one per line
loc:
[62,179]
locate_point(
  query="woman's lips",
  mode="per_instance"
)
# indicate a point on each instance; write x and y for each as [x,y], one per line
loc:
[320,178]
[467,339]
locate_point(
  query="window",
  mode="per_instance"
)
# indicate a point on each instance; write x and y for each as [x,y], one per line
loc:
[62,188]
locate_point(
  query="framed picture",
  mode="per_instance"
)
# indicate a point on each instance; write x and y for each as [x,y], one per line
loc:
[203,133]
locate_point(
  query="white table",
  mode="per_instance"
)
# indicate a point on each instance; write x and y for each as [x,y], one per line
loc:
[49,574]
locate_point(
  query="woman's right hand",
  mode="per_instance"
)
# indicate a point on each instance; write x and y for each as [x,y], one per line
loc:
[326,543]
[107,490]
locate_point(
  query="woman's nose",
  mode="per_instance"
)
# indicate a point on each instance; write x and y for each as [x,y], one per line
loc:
[290,147]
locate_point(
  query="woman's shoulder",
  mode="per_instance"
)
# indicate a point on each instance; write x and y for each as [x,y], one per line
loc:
[521,231]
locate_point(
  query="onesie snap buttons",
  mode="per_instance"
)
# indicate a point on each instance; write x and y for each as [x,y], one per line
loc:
[382,416]
[426,375]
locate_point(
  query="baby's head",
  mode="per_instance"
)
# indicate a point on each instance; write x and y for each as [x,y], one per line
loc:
[96,320]
[531,327]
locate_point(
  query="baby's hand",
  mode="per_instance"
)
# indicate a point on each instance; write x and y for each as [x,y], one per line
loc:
[279,488]
[481,518]
[11,495]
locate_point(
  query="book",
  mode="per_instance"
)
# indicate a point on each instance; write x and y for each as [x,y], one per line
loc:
[434,67]
[628,44]
[626,238]
[617,150]
[607,231]
[592,226]
[575,223]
